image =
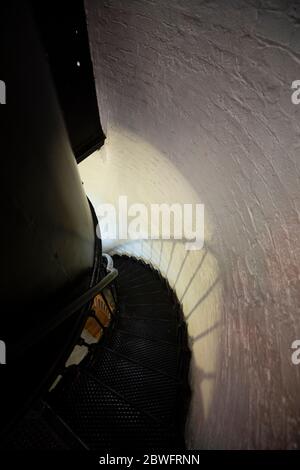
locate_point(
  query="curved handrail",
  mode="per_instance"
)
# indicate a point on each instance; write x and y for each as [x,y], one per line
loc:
[39,332]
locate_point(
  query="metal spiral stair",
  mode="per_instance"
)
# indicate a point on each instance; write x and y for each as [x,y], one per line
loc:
[131,390]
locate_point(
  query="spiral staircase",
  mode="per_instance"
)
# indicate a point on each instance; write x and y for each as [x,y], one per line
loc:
[97,354]
[129,390]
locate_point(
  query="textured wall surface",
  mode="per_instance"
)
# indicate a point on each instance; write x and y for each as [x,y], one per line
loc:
[207,86]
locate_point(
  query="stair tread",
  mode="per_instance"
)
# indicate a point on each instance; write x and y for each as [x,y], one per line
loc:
[146,328]
[144,351]
[34,433]
[131,391]
[145,388]
[114,423]
[148,311]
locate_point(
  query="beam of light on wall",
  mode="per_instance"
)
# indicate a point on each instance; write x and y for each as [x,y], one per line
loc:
[129,165]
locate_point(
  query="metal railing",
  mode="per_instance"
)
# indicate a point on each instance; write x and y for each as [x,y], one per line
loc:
[71,309]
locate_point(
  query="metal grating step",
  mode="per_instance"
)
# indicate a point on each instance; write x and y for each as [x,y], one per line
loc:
[155,282]
[149,288]
[145,328]
[164,359]
[35,433]
[131,278]
[154,298]
[131,392]
[125,264]
[104,421]
[144,388]
[149,312]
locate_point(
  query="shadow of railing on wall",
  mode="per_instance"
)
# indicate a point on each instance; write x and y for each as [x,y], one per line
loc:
[196,279]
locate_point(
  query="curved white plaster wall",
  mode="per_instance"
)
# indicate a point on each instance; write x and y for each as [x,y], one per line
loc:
[196,95]
[149,177]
